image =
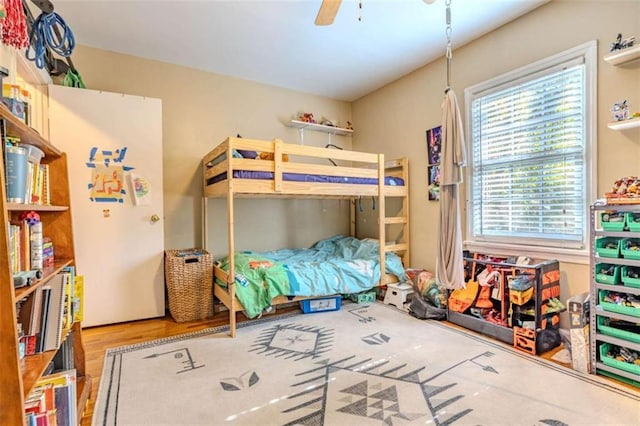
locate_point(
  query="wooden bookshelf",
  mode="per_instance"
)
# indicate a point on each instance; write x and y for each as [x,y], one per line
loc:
[19,376]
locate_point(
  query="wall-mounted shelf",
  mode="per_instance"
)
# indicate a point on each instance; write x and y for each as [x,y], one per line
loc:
[624,124]
[623,56]
[330,130]
[320,128]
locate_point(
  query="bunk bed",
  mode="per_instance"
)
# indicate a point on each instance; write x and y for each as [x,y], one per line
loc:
[240,167]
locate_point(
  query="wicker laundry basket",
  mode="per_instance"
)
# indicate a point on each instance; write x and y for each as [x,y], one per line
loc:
[189,279]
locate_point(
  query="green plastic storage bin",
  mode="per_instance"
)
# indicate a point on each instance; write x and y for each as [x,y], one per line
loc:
[613,220]
[612,362]
[632,220]
[605,328]
[363,297]
[612,307]
[628,253]
[630,281]
[613,278]
[608,246]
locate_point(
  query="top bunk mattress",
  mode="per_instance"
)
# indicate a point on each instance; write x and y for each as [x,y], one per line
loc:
[303,177]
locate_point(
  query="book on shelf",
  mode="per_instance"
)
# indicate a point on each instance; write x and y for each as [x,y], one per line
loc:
[53,332]
[47,252]
[67,314]
[47,187]
[14,248]
[47,314]
[53,400]
[26,246]
[28,316]
[36,245]
[78,298]
[44,317]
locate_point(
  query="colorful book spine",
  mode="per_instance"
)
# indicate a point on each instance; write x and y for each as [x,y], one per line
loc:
[47,252]
[36,246]
[78,298]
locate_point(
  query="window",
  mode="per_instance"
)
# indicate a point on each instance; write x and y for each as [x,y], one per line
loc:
[532,137]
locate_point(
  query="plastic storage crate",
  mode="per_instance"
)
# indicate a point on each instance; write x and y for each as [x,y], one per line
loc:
[628,280]
[608,247]
[613,307]
[189,279]
[612,220]
[323,304]
[605,327]
[612,362]
[630,248]
[633,221]
[613,277]
[363,297]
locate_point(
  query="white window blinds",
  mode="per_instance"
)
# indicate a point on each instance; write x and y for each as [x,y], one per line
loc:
[528,165]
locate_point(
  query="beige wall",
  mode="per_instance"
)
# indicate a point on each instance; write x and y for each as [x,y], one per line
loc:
[200,110]
[394,119]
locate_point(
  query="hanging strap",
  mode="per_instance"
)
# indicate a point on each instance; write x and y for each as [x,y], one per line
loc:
[448,54]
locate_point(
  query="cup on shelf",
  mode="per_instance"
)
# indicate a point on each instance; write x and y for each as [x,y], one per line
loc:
[16,173]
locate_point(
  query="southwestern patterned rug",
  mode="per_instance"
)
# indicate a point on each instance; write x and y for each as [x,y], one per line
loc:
[364,364]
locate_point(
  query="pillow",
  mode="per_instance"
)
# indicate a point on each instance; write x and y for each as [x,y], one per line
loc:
[248,154]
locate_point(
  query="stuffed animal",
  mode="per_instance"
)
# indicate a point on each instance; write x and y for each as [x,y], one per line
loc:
[270,156]
[307,117]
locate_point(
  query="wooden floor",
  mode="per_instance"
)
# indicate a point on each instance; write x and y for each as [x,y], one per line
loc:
[97,339]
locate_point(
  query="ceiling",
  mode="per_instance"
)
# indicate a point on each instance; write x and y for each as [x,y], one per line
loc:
[276,42]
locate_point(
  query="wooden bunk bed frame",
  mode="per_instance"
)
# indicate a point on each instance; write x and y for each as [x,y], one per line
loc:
[369,166]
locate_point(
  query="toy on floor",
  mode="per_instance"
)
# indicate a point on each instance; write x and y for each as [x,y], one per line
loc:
[398,294]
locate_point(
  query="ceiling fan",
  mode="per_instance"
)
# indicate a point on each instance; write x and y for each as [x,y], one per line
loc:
[329,9]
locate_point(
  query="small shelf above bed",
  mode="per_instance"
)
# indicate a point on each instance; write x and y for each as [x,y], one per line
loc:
[320,128]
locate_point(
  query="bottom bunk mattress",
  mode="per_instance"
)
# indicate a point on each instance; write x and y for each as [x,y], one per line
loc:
[337,265]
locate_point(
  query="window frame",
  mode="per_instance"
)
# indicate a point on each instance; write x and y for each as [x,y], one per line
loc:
[588,52]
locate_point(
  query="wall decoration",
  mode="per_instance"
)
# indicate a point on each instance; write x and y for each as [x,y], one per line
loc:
[141,190]
[107,175]
[107,184]
[434,145]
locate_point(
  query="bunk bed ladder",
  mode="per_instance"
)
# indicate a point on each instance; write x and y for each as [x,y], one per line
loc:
[402,247]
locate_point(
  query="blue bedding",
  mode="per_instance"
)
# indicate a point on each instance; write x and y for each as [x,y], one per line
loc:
[337,265]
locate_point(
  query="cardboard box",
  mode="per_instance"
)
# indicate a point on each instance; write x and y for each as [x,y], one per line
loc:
[579,334]
[578,306]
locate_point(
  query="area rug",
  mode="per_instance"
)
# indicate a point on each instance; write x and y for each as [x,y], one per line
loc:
[366,364]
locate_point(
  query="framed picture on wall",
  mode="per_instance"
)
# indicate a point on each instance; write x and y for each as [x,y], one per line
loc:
[434,145]
[433,183]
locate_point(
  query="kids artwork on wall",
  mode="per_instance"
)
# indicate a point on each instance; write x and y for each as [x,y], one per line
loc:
[141,190]
[434,144]
[107,175]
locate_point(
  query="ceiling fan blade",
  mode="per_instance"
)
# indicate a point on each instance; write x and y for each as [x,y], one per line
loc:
[327,12]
